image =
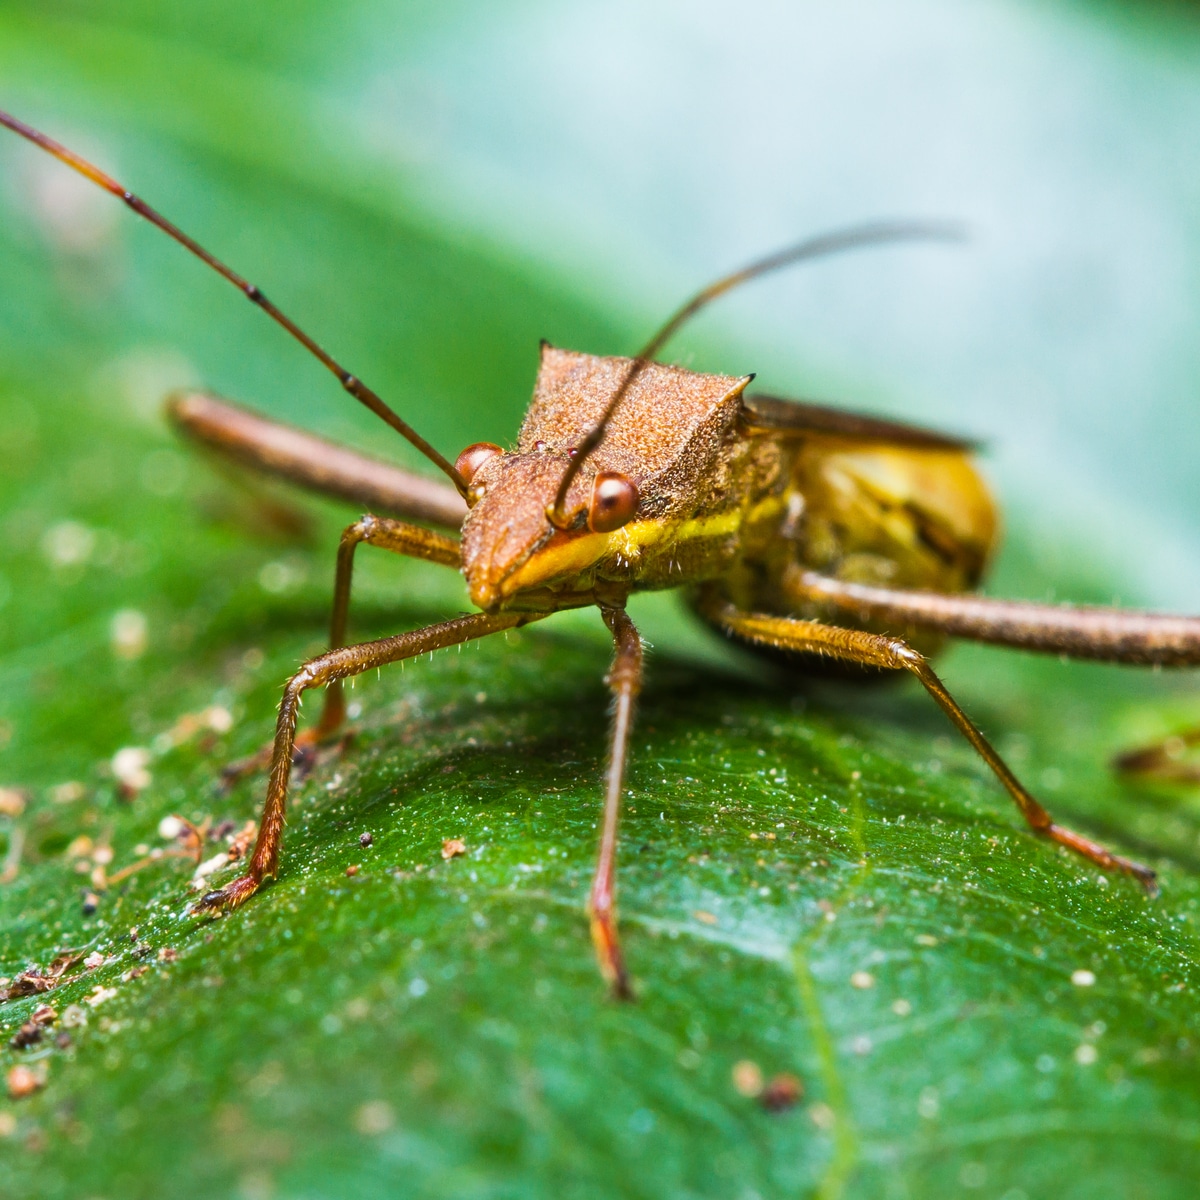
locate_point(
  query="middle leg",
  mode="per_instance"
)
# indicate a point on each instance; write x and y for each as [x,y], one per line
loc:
[625,682]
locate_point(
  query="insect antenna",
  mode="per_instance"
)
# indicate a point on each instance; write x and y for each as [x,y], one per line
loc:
[853,238]
[351,383]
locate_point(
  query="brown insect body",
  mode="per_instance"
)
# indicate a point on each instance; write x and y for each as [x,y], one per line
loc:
[726,497]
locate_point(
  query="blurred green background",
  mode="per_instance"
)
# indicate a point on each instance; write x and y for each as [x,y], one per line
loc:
[431,189]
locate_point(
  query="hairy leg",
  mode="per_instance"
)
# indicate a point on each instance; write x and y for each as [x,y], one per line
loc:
[625,682]
[327,668]
[401,538]
[874,650]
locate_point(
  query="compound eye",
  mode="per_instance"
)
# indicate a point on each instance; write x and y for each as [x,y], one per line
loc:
[614,501]
[473,457]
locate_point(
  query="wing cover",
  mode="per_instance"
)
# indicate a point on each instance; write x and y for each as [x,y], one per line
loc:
[770,414]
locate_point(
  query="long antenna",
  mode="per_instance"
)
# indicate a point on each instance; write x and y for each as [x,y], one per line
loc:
[351,383]
[854,238]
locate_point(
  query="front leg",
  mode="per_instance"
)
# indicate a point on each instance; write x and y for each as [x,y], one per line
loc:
[625,682]
[328,668]
[399,537]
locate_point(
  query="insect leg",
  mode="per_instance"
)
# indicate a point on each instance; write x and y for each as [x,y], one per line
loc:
[625,682]
[271,448]
[326,668]
[875,650]
[1101,634]
[409,540]
[1162,760]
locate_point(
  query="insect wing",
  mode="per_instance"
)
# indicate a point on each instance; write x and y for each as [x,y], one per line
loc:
[770,414]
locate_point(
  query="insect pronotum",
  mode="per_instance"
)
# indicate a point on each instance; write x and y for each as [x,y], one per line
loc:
[796,528]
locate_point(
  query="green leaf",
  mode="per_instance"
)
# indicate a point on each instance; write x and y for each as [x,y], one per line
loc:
[817,879]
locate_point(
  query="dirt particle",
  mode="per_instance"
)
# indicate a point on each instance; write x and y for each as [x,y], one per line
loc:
[373,1118]
[27,1035]
[364,840]
[782,1092]
[67,793]
[23,1081]
[747,1078]
[168,954]
[822,1116]
[130,767]
[12,802]
[74,1017]
[452,847]
[100,995]
[90,903]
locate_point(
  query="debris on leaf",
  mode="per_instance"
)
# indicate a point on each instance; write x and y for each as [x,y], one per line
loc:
[12,802]
[168,954]
[374,1117]
[12,860]
[364,840]
[94,960]
[79,847]
[91,902]
[26,1036]
[35,981]
[215,719]
[74,1017]
[24,1081]
[67,793]
[99,995]
[31,1031]
[747,1078]
[452,847]
[130,767]
[781,1092]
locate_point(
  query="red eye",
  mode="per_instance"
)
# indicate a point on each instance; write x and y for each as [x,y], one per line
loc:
[473,457]
[614,501]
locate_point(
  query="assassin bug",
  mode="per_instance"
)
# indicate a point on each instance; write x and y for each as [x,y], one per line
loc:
[797,529]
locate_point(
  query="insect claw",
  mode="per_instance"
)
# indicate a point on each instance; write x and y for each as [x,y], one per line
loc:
[231,896]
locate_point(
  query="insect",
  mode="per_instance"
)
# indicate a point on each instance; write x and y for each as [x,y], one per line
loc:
[798,529]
